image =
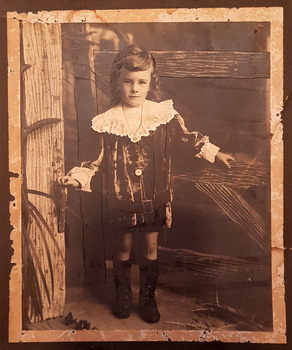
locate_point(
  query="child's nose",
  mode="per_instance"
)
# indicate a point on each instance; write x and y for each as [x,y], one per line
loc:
[135,87]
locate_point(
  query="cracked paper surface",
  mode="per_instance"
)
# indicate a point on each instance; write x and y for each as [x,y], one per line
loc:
[272,15]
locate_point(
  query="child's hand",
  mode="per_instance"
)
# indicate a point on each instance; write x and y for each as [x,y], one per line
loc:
[224,158]
[69,181]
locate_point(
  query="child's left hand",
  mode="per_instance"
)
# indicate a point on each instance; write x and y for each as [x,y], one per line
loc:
[224,158]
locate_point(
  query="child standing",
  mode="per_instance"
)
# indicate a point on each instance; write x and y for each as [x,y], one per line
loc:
[135,150]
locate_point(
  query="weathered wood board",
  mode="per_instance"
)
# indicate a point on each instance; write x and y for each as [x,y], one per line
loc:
[43,161]
[199,64]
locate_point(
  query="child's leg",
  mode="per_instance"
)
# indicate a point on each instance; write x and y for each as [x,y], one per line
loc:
[123,245]
[148,277]
[122,273]
[149,245]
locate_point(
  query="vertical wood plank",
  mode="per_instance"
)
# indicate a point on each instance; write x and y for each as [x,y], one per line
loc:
[43,162]
[81,106]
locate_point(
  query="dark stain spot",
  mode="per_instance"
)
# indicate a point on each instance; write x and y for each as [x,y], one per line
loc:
[11,174]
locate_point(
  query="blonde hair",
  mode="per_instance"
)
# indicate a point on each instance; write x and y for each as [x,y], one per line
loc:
[134,58]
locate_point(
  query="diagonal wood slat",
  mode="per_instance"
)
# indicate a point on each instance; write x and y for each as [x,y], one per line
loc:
[238,210]
[243,174]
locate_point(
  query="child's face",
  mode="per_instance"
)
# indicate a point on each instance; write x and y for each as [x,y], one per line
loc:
[134,87]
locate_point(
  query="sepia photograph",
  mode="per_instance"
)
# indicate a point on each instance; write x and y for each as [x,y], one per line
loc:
[147,152]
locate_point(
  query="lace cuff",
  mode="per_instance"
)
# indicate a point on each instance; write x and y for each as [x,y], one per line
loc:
[82,175]
[208,151]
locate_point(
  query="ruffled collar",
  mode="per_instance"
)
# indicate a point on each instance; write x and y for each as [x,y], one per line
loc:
[153,115]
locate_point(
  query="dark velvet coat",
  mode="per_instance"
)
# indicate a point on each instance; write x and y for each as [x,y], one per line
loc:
[137,165]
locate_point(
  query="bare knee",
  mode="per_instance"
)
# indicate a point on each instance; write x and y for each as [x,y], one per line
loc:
[150,246]
[123,246]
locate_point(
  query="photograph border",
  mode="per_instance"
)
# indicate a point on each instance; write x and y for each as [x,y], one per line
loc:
[274,15]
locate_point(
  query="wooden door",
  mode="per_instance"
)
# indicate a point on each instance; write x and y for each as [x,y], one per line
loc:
[43,161]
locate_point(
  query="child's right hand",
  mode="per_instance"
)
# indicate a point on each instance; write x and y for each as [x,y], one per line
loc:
[69,181]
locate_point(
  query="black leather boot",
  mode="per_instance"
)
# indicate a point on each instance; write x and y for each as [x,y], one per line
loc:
[148,282]
[122,279]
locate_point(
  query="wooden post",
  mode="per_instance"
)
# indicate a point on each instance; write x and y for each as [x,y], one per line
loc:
[43,162]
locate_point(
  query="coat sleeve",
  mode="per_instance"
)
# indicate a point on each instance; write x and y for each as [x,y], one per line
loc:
[200,144]
[84,173]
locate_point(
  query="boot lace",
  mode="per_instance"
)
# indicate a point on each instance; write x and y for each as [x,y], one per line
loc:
[150,295]
[123,296]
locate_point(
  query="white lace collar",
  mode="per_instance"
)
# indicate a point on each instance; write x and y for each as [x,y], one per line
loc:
[153,115]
